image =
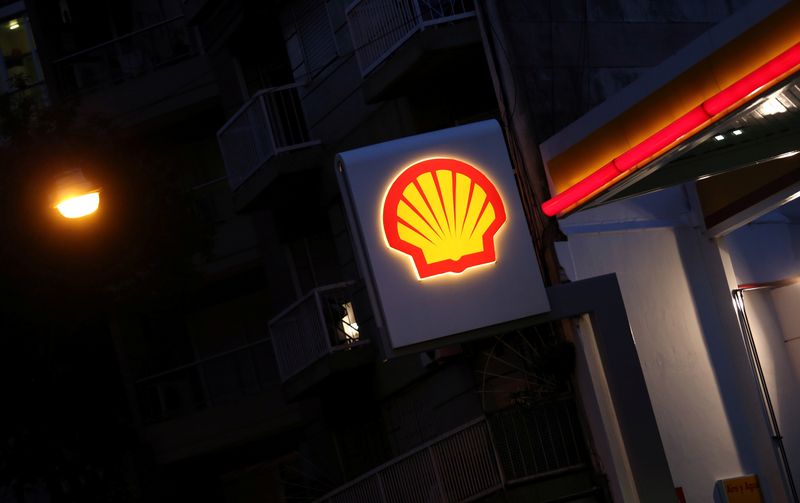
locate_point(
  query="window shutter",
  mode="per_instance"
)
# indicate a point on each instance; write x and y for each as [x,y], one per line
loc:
[316,34]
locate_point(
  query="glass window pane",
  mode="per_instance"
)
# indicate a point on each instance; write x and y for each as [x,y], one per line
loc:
[14,39]
[17,52]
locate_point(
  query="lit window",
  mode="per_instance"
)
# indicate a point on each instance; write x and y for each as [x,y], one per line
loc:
[19,57]
[349,323]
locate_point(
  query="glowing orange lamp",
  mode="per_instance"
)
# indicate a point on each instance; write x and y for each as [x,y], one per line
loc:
[444,213]
[75,197]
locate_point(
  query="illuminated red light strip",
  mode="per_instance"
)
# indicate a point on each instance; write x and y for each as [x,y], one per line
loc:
[690,121]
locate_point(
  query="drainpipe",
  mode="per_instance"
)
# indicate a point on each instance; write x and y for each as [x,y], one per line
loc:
[517,121]
[758,374]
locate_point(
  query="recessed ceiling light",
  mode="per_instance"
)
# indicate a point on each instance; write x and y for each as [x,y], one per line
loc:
[784,155]
[791,198]
[719,137]
[771,107]
[13,24]
[737,132]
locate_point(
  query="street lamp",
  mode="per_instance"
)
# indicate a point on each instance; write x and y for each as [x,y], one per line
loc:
[75,196]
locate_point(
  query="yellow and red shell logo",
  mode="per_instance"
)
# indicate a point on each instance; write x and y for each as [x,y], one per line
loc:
[444,213]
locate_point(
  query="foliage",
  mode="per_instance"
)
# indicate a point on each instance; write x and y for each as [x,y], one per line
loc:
[62,428]
[526,367]
[138,247]
[64,423]
[552,364]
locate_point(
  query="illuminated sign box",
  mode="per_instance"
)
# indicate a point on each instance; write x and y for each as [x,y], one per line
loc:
[440,233]
[745,489]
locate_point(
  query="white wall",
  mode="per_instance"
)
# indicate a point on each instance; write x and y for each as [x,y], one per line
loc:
[764,315]
[768,250]
[602,419]
[786,301]
[679,307]
[765,250]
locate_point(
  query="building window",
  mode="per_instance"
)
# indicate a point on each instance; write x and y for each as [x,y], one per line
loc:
[348,330]
[19,67]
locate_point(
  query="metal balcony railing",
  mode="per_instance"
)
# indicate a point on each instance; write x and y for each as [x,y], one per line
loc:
[379,27]
[223,377]
[126,57]
[270,123]
[319,324]
[476,459]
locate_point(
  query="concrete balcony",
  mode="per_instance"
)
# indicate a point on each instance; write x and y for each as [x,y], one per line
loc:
[318,335]
[399,42]
[138,76]
[215,403]
[215,20]
[535,454]
[254,140]
[195,8]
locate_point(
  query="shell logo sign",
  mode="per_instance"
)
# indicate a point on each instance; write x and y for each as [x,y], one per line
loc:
[439,235]
[444,214]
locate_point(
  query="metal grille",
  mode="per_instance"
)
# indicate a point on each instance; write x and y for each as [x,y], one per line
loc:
[472,461]
[271,122]
[303,480]
[471,454]
[543,439]
[379,27]
[286,118]
[126,57]
[435,10]
[308,329]
[368,491]
[412,479]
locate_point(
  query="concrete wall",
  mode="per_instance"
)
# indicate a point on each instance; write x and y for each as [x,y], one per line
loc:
[678,303]
[435,405]
[785,301]
[574,54]
[778,362]
[332,101]
[154,95]
[763,251]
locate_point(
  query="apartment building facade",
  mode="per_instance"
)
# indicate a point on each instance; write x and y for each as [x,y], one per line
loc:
[356,75]
[394,48]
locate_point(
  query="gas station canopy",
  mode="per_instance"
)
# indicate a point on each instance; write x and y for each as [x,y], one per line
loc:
[725,110]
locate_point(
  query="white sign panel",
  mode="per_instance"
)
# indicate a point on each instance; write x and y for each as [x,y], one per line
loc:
[443,239]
